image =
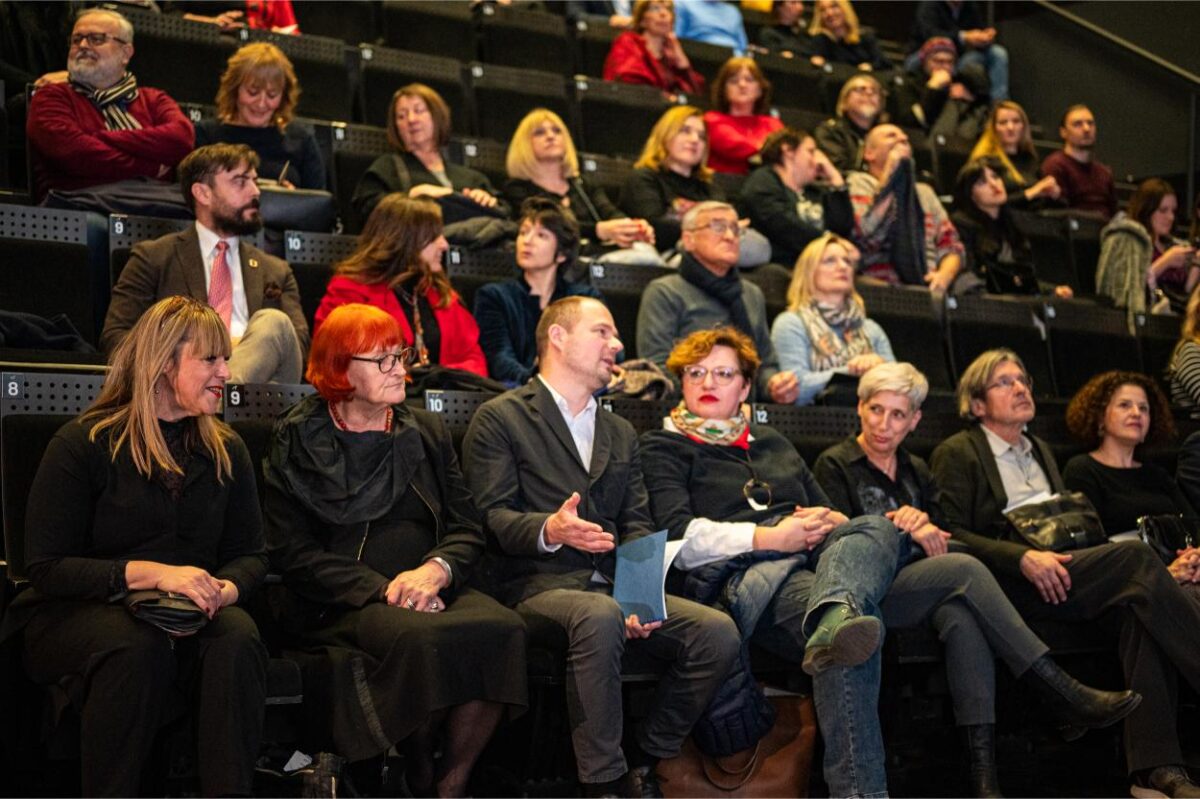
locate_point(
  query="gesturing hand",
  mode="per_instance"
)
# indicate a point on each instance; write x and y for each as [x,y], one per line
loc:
[1046,571]
[565,527]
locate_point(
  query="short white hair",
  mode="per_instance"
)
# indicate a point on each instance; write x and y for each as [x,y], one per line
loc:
[708,206]
[902,378]
[122,22]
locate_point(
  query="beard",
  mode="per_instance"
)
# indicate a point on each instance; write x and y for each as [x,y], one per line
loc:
[94,72]
[237,222]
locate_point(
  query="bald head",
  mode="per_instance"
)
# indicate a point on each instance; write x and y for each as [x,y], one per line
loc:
[880,142]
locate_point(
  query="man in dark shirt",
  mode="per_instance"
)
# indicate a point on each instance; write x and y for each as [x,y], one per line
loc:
[965,24]
[1086,183]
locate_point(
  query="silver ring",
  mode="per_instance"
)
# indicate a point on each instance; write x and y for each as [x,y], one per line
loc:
[410,604]
[434,604]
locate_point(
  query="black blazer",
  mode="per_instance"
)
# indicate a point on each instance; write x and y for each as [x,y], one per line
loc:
[973,498]
[522,464]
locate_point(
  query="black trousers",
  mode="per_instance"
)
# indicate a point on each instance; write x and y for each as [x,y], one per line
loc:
[1156,629]
[120,674]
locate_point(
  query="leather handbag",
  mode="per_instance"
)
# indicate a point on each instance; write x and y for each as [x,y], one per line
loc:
[1065,522]
[1168,533]
[778,766]
[174,614]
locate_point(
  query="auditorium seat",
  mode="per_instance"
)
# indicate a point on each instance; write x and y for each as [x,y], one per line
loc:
[949,156]
[353,23]
[438,27]
[1157,337]
[312,256]
[794,81]
[608,173]
[912,319]
[805,119]
[470,269]
[504,95]
[812,430]
[982,322]
[385,70]
[622,287]
[55,262]
[183,58]
[1052,259]
[592,43]
[730,184]
[125,230]
[774,280]
[707,59]
[1087,339]
[482,155]
[1084,235]
[355,148]
[616,118]
[517,37]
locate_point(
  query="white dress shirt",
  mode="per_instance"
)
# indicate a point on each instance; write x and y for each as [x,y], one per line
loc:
[1023,477]
[208,251]
[583,432]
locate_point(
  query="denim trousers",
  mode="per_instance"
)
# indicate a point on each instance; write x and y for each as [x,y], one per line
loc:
[867,565]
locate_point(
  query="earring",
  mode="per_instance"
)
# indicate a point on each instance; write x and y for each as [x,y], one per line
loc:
[156,392]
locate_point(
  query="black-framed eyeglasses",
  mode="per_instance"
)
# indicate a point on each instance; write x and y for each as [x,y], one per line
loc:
[387,363]
[94,39]
[1008,383]
[722,375]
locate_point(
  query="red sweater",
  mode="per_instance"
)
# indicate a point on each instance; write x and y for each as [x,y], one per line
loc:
[460,335]
[71,148]
[630,61]
[732,140]
[1088,187]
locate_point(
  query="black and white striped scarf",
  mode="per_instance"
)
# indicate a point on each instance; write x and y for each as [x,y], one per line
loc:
[113,102]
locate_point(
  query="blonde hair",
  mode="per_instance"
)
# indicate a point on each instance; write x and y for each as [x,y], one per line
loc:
[520,161]
[654,153]
[126,407]
[816,27]
[973,383]
[989,143]
[258,64]
[800,290]
[849,85]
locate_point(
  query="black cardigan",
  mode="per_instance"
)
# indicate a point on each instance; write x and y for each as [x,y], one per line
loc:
[382,178]
[649,193]
[319,560]
[771,207]
[688,480]
[87,512]
[588,202]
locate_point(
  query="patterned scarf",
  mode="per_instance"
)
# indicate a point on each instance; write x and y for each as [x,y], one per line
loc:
[733,432]
[831,349]
[113,102]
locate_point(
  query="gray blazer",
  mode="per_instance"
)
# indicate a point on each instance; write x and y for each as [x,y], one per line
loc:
[522,464]
[172,264]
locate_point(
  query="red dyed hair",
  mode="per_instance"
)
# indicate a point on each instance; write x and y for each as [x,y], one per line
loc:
[348,330]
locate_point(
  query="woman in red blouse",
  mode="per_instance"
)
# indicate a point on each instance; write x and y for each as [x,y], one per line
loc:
[741,95]
[651,54]
[397,266]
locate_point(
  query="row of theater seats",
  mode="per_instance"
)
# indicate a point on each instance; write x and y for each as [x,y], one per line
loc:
[67,261]
[34,404]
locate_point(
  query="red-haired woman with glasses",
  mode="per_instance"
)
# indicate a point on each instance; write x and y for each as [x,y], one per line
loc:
[375,532]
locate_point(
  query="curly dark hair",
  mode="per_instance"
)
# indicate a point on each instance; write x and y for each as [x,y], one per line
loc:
[1086,410]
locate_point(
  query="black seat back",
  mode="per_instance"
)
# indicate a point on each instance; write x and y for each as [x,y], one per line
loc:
[984,322]
[912,319]
[616,118]
[1085,340]
[312,256]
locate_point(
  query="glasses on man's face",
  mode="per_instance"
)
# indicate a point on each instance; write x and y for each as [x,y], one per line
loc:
[1010,382]
[867,90]
[387,363]
[94,39]
[722,375]
[721,227]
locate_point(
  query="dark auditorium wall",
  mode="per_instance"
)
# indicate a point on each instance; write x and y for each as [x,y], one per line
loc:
[1141,110]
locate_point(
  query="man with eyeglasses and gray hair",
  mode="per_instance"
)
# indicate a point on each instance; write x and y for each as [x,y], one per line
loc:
[995,466]
[707,292]
[100,126]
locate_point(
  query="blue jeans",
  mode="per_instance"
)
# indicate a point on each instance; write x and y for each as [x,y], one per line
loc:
[994,59]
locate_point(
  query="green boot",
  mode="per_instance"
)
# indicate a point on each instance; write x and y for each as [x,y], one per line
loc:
[842,638]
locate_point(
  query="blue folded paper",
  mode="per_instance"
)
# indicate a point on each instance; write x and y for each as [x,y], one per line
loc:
[638,587]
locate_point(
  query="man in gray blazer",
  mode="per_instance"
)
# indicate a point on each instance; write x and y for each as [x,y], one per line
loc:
[559,484]
[255,293]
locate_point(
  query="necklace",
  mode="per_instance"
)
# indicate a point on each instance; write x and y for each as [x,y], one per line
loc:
[757,492]
[340,423]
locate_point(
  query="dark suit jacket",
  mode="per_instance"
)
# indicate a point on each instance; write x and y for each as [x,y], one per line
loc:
[973,498]
[522,464]
[173,265]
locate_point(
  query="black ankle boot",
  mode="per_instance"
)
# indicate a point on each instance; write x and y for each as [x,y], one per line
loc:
[1077,707]
[981,757]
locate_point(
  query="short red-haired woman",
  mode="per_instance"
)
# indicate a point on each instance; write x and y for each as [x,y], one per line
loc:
[374,530]
[397,266]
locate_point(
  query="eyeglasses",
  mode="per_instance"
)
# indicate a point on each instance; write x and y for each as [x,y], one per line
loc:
[1010,383]
[387,363]
[869,90]
[722,375]
[721,227]
[94,39]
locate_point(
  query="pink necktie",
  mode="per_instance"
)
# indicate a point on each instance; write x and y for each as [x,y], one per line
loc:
[220,285]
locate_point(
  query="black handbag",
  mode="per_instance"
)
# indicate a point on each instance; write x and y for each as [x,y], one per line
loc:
[172,613]
[1168,533]
[1067,521]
